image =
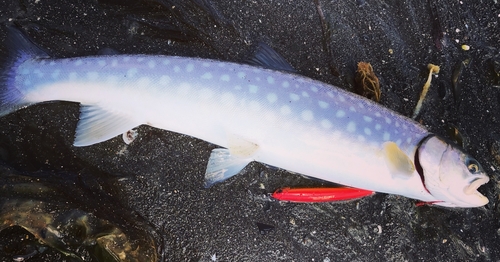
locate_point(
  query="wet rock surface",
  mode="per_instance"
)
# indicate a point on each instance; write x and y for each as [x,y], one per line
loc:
[160,174]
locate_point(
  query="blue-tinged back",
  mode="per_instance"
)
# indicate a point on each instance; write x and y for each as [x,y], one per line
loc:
[19,49]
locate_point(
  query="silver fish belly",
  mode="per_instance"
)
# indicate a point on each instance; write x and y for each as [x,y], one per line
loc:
[277,118]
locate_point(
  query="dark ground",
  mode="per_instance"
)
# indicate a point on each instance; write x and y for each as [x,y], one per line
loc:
[160,175]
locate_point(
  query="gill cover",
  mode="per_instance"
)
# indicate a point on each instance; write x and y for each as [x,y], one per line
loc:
[450,175]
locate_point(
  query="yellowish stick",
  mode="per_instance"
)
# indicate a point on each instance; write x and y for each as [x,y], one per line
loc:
[433,69]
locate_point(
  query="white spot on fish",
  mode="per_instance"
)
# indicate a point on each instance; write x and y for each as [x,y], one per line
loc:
[270,80]
[326,123]
[285,84]
[189,68]
[52,63]
[131,72]
[205,64]
[38,73]
[27,82]
[237,87]
[101,63]
[285,110]
[386,136]
[377,114]
[207,75]
[378,127]
[164,80]
[351,108]
[78,62]
[314,89]
[398,142]
[183,89]
[151,64]
[257,79]
[305,94]
[294,97]
[340,113]
[388,120]
[25,71]
[367,118]
[225,78]
[114,63]
[205,93]
[253,88]
[177,69]
[307,115]
[73,76]
[408,140]
[323,104]
[351,127]
[368,131]
[360,105]
[341,97]
[55,74]
[92,75]
[330,94]
[397,124]
[254,105]
[241,75]
[140,59]
[166,62]
[272,97]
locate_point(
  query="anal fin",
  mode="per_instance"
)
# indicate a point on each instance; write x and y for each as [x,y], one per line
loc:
[225,163]
[98,124]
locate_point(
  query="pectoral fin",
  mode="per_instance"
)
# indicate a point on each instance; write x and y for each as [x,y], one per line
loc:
[397,161]
[98,124]
[225,163]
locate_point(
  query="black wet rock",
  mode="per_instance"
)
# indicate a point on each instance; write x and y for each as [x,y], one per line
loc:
[160,174]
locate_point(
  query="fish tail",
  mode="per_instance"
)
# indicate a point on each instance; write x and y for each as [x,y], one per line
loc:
[20,49]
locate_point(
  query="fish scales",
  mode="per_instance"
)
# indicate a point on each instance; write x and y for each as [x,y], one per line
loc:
[258,114]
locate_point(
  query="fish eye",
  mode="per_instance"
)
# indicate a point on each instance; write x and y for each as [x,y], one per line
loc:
[472,165]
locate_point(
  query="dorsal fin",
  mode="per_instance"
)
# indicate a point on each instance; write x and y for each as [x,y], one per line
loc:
[266,57]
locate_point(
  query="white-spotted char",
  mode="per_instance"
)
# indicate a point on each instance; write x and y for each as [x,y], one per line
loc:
[257,114]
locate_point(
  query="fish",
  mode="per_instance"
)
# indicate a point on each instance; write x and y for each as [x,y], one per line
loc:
[263,111]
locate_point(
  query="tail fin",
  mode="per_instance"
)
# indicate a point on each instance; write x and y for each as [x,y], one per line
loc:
[20,49]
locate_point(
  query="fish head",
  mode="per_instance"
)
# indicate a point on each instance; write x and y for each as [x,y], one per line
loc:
[450,175]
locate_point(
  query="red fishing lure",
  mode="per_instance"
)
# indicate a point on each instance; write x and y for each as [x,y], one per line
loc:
[306,195]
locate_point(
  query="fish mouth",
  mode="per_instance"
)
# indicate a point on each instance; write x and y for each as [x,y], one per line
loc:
[471,189]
